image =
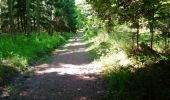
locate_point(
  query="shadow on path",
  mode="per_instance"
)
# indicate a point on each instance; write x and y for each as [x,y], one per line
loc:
[69,75]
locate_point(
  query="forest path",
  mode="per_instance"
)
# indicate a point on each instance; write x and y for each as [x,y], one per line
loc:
[69,75]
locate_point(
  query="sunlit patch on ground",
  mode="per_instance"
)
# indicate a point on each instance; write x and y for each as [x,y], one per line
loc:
[71,69]
[77,42]
[68,75]
[87,77]
[69,53]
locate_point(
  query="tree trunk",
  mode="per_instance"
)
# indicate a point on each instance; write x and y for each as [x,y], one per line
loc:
[22,23]
[152,34]
[34,24]
[166,35]
[38,17]
[28,26]
[137,34]
[133,41]
[109,24]
[11,20]
[51,30]
[0,17]
[18,24]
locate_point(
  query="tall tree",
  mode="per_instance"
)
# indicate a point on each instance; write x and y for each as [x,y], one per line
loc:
[11,19]
[0,17]
[70,13]
[38,16]
[28,29]
[48,15]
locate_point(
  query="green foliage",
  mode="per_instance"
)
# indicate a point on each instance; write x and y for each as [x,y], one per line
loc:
[95,52]
[106,44]
[58,13]
[37,15]
[139,83]
[153,15]
[90,34]
[22,51]
[130,74]
[71,14]
[67,35]
[81,18]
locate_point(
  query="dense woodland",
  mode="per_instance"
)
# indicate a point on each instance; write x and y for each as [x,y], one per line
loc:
[153,14]
[33,16]
[130,38]
[30,29]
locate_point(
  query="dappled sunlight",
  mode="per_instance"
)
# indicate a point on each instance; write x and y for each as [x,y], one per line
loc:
[71,69]
[61,87]
[59,50]
[43,66]
[71,51]
[79,2]
[87,77]
[122,57]
[119,58]
[69,74]
[76,42]
[72,61]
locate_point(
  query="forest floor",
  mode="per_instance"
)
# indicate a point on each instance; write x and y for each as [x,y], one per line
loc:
[67,75]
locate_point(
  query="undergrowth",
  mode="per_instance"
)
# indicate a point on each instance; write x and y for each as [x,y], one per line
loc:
[129,74]
[16,54]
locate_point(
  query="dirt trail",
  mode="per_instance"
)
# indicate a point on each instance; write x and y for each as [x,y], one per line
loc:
[69,75]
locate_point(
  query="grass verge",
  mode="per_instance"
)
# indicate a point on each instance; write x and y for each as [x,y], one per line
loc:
[17,54]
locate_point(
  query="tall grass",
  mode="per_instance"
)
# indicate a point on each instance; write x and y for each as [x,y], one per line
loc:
[22,51]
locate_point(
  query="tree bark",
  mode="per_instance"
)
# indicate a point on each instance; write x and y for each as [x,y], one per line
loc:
[152,33]
[38,18]
[28,27]
[22,23]
[0,17]
[18,24]
[11,20]
[137,34]
[109,24]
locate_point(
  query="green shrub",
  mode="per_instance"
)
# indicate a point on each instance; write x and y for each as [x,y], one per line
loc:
[89,34]
[67,35]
